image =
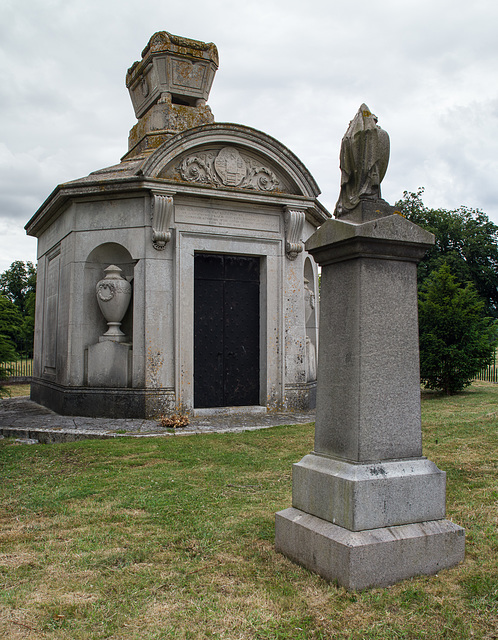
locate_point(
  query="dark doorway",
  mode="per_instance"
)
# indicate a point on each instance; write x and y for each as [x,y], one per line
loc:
[226,330]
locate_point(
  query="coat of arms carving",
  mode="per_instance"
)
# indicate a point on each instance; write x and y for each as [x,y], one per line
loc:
[228,167]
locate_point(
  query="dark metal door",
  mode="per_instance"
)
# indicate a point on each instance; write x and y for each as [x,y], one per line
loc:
[226,330]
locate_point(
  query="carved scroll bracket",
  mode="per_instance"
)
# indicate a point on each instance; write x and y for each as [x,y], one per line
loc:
[162,216]
[294,223]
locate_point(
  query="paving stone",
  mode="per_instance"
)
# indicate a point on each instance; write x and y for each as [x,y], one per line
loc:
[23,418]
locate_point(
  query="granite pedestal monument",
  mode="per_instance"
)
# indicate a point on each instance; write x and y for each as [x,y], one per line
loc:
[368,509]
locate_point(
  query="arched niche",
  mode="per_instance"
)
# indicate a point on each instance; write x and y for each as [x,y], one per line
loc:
[99,259]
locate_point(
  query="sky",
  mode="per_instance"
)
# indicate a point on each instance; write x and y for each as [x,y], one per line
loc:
[297,70]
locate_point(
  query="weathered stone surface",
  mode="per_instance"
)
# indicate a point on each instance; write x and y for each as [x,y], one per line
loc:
[169,88]
[368,496]
[368,508]
[371,558]
[391,237]
[368,405]
[369,402]
[363,160]
[161,122]
[172,65]
[109,365]
[91,401]
[23,418]
[183,189]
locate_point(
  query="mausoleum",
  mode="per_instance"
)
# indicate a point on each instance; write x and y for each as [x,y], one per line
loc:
[178,279]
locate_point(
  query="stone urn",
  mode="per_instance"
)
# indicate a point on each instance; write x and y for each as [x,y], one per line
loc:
[113,295]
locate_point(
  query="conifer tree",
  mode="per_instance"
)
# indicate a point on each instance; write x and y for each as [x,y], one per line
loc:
[457,340]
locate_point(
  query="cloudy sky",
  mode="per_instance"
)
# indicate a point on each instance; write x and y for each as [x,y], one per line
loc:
[295,69]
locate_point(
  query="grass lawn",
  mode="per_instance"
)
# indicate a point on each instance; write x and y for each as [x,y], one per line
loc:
[173,538]
[16,390]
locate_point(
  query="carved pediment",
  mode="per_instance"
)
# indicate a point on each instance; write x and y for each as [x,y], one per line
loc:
[227,166]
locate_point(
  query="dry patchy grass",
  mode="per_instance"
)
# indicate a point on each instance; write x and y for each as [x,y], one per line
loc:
[17,390]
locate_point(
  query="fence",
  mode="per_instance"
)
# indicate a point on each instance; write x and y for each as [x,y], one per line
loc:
[23,368]
[490,373]
[19,369]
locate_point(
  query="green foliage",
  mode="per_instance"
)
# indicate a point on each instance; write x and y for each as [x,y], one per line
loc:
[456,339]
[18,286]
[10,322]
[7,353]
[466,240]
[19,282]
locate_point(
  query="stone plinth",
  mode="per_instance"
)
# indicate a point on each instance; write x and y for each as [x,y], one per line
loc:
[108,364]
[375,557]
[367,496]
[368,508]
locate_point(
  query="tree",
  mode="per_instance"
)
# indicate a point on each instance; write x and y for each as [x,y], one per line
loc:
[7,354]
[466,240]
[456,338]
[18,285]
[10,321]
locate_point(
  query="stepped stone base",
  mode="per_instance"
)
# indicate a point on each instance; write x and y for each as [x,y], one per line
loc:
[370,558]
[369,496]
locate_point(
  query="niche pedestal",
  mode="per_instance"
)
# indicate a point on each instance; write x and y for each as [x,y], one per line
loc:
[109,364]
[367,508]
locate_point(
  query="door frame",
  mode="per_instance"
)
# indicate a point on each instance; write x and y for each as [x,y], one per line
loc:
[271,311]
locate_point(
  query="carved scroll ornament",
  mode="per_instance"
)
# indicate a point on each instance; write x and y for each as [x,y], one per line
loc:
[294,223]
[162,216]
[227,167]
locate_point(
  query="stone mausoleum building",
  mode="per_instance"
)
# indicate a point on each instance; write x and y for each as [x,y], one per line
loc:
[178,279]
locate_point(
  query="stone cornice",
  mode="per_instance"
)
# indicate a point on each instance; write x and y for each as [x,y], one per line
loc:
[96,186]
[64,193]
[391,237]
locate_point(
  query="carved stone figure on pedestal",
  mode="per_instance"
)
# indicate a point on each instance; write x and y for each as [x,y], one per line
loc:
[364,158]
[309,307]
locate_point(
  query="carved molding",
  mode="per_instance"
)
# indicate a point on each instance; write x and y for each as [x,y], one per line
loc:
[294,223]
[162,216]
[228,167]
